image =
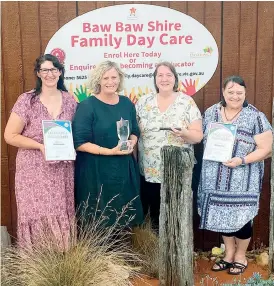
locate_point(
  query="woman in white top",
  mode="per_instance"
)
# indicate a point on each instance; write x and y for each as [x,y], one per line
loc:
[167,108]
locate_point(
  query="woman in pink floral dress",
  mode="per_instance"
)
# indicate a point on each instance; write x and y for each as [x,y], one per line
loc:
[44,191]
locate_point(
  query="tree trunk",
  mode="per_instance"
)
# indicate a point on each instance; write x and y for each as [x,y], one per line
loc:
[271,215]
[175,227]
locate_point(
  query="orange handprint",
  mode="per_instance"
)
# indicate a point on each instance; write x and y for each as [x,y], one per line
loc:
[133,98]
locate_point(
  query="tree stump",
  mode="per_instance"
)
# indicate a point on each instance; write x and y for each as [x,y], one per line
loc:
[176,224]
[271,215]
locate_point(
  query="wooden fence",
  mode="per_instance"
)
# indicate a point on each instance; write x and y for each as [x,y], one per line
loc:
[243,32]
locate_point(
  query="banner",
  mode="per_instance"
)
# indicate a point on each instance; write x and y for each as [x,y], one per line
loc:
[137,37]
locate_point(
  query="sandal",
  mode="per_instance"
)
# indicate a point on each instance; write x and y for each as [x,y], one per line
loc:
[237,265]
[223,265]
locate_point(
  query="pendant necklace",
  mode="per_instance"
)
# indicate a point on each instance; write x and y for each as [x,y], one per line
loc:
[233,116]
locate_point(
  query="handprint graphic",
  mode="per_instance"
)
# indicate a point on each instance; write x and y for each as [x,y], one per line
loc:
[189,87]
[133,96]
[82,93]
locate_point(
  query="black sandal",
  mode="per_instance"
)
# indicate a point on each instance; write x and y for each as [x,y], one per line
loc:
[223,265]
[237,265]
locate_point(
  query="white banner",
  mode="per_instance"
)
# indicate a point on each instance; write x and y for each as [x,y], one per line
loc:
[137,37]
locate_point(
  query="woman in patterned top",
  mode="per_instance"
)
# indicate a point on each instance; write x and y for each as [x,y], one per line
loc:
[44,190]
[167,108]
[228,195]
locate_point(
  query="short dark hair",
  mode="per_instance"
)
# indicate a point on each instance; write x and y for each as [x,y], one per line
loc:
[39,61]
[173,70]
[236,79]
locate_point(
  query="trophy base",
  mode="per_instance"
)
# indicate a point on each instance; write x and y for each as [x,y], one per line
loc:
[124,146]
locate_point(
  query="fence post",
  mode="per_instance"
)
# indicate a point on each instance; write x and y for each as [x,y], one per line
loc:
[271,215]
[176,224]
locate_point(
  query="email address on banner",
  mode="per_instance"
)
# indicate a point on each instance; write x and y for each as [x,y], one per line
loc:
[150,75]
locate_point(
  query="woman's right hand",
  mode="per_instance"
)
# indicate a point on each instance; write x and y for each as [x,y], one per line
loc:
[42,149]
[116,150]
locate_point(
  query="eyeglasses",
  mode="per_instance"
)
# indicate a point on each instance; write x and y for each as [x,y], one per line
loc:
[46,71]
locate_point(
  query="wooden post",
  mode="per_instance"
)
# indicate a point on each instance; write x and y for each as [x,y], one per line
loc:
[176,224]
[271,215]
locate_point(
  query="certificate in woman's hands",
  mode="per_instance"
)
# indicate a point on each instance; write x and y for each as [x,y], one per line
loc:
[220,142]
[58,140]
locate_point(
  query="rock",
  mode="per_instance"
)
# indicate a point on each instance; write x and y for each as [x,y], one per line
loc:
[262,259]
[223,247]
[5,238]
[217,251]
[205,258]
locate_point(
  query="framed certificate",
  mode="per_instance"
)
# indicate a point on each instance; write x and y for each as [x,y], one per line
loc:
[58,140]
[220,142]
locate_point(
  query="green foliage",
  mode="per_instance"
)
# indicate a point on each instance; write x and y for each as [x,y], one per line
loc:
[255,280]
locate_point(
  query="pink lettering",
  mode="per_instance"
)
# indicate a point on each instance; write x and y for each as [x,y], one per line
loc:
[86,27]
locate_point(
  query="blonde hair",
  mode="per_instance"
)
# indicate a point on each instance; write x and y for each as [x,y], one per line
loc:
[98,73]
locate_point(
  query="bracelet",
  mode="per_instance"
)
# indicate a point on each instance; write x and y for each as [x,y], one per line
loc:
[243,161]
[99,150]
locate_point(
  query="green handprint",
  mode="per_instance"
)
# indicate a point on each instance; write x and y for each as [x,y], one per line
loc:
[82,93]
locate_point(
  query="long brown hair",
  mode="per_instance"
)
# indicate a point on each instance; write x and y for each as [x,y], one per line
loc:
[57,64]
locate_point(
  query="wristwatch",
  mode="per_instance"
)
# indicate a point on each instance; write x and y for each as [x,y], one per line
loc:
[243,161]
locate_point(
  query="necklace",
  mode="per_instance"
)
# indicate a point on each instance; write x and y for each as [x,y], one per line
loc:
[233,116]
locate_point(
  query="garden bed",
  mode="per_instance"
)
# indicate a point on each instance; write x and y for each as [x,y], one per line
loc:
[204,275]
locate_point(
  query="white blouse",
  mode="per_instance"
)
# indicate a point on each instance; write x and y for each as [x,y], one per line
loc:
[181,113]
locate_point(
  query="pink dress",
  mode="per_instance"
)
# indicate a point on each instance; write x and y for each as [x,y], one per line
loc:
[44,191]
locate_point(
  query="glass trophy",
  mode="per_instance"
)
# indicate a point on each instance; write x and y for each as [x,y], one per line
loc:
[123,133]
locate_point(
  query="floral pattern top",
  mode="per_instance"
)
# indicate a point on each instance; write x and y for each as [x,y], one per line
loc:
[44,190]
[181,113]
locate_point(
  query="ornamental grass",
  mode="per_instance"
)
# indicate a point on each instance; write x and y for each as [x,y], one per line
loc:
[95,255]
[145,242]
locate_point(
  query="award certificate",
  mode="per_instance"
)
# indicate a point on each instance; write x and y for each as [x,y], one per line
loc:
[220,142]
[58,140]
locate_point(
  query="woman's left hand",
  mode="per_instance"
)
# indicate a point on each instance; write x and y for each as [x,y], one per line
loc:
[132,143]
[233,163]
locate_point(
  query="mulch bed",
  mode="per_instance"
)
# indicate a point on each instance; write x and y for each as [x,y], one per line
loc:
[203,271]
